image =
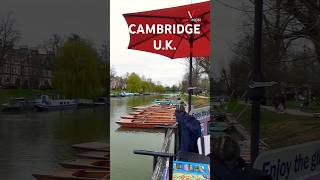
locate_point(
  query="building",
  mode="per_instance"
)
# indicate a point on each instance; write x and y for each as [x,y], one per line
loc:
[118,83]
[26,68]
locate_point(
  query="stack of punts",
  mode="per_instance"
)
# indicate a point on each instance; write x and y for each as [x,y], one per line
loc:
[149,117]
[93,164]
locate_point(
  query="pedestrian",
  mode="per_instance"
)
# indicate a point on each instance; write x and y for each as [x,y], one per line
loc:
[276,101]
[282,102]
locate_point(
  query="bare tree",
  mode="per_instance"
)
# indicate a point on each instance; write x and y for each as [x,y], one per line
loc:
[53,44]
[105,52]
[307,13]
[204,63]
[9,35]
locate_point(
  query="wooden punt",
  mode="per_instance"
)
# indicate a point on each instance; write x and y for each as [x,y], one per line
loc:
[145,107]
[153,112]
[143,125]
[95,155]
[139,107]
[147,121]
[130,123]
[73,174]
[86,164]
[143,121]
[157,108]
[152,119]
[135,113]
[92,146]
[149,116]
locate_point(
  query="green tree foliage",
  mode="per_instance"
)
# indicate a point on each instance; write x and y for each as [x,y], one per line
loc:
[147,86]
[77,71]
[159,89]
[134,83]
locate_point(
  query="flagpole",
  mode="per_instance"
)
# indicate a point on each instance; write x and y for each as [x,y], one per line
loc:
[190,73]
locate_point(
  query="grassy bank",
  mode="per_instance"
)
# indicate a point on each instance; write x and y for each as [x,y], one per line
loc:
[278,130]
[7,94]
[197,101]
[312,108]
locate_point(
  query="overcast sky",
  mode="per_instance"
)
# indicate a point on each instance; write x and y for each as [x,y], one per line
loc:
[37,20]
[227,30]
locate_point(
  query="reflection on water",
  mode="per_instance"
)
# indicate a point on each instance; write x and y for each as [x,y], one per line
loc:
[35,142]
[140,101]
[123,162]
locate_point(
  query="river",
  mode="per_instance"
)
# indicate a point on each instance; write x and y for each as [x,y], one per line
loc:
[38,141]
[125,164]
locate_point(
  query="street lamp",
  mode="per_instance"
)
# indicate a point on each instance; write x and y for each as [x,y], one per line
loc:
[256,93]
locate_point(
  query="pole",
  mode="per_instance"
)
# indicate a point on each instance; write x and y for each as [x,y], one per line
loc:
[190,73]
[256,93]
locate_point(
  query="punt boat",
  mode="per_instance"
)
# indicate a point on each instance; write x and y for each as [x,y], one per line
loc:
[73,174]
[131,123]
[95,155]
[92,146]
[86,164]
[149,116]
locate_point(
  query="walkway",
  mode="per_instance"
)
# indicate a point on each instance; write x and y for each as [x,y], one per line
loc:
[295,112]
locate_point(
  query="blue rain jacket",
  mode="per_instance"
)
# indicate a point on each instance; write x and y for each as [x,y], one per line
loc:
[189,130]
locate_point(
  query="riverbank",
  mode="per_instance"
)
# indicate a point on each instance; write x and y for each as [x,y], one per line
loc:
[197,101]
[7,94]
[312,108]
[277,129]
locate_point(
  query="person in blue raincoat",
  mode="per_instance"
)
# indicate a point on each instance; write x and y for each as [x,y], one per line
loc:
[189,130]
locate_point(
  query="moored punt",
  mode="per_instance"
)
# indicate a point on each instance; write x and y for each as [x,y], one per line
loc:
[159,122]
[145,120]
[92,146]
[141,107]
[135,113]
[155,111]
[130,123]
[95,155]
[148,116]
[86,164]
[73,174]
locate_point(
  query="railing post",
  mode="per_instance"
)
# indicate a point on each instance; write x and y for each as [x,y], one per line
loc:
[176,139]
[170,167]
[155,160]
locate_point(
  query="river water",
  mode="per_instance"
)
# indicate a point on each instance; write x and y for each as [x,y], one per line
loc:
[38,141]
[125,164]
